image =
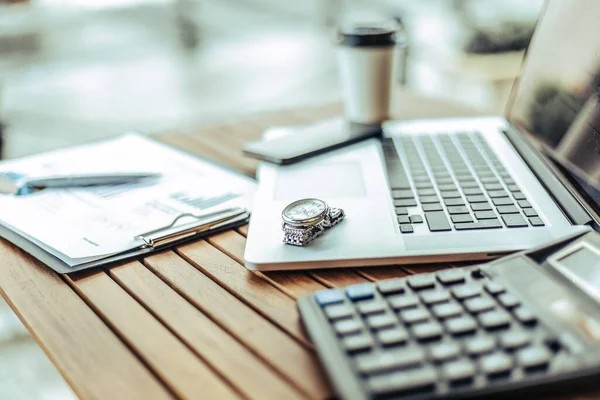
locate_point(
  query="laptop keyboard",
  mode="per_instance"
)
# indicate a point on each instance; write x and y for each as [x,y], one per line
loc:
[454,182]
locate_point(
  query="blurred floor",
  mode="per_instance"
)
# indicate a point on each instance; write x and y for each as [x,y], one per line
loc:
[74,71]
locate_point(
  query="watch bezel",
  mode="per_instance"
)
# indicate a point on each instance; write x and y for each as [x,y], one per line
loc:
[309,221]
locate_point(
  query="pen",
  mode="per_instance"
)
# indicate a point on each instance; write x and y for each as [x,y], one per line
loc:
[22,186]
[65,181]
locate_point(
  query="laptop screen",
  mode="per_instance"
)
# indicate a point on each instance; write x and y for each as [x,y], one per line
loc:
[557,96]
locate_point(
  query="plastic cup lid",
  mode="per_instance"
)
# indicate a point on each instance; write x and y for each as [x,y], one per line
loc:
[374,34]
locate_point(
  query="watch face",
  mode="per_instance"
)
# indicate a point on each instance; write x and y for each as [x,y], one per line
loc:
[303,210]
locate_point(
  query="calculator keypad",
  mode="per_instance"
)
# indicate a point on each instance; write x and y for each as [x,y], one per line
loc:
[432,332]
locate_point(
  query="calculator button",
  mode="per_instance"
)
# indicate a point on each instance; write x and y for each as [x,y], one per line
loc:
[479,304]
[339,311]
[494,288]
[492,320]
[459,371]
[391,286]
[371,307]
[496,364]
[327,297]
[378,362]
[403,302]
[362,291]
[445,351]
[447,310]
[451,276]
[397,383]
[392,337]
[427,331]
[421,281]
[534,357]
[347,327]
[525,316]
[434,297]
[381,321]
[466,291]
[480,345]
[414,316]
[515,340]
[509,300]
[357,343]
[461,326]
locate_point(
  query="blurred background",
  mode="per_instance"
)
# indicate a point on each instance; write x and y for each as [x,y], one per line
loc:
[73,71]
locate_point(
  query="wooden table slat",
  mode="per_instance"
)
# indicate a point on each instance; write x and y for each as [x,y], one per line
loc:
[380,273]
[232,360]
[243,230]
[252,289]
[181,370]
[92,359]
[292,283]
[280,350]
[337,277]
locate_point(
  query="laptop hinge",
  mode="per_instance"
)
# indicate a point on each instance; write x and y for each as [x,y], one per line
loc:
[547,175]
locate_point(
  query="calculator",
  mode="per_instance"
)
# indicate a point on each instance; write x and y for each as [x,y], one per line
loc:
[521,325]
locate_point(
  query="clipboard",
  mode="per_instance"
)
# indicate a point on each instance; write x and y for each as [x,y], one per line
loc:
[173,233]
[202,230]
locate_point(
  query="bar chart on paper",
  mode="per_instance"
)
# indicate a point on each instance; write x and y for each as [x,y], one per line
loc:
[203,203]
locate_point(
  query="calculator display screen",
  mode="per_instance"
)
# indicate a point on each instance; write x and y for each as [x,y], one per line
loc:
[582,267]
[583,263]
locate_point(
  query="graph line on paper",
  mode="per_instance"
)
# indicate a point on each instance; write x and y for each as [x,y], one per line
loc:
[203,203]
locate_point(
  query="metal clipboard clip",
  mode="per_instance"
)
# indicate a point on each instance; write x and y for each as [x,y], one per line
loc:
[172,233]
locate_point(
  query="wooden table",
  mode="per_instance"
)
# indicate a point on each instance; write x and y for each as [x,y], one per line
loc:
[191,322]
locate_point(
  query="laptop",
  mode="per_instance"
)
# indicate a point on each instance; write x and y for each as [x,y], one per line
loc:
[440,190]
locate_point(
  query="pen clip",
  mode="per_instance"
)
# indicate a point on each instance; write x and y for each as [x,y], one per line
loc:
[172,233]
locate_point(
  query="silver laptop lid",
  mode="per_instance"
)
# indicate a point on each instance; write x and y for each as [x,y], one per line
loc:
[556,97]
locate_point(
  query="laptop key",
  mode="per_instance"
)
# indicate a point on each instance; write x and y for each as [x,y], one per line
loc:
[454,202]
[447,186]
[536,221]
[397,177]
[519,196]
[524,204]
[425,192]
[406,228]
[403,219]
[493,186]
[469,184]
[502,201]
[458,210]
[497,193]
[402,194]
[485,215]
[514,221]
[424,185]
[416,219]
[513,188]
[507,210]
[450,194]
[461,218]
[429,199]
[437,221]
[432,207]
[477,199]
[483,224]
[405,203]
[401,211]
[481,206]
[472,191]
